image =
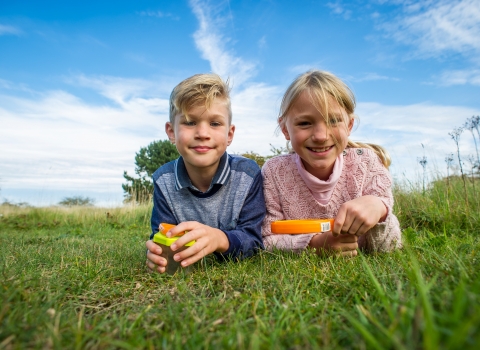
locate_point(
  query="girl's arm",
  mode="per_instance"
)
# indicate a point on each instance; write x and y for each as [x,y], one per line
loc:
[273,200]
[386,235]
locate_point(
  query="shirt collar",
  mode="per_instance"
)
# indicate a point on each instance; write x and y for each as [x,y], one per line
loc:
[182,180]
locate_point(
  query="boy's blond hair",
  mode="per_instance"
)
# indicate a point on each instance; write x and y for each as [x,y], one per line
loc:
[321,85]
[199,89]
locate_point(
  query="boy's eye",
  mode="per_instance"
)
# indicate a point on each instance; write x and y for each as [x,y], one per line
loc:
[189,122]
[215,124]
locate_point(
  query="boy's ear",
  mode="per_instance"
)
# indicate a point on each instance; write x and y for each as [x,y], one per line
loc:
[231,131]
[169,129]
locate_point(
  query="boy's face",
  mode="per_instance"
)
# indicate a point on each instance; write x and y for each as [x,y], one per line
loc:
[203,138]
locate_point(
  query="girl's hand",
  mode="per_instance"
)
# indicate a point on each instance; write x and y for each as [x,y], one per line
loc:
[208,240]
[155,262]
[345,245]
[359,215]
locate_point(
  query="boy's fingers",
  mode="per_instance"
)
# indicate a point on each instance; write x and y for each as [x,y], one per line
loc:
[182,227]
[194,258]
[156,259]
[187,238]
[153,247]
[155,268]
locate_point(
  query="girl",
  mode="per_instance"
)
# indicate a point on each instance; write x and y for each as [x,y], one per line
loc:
[328,176]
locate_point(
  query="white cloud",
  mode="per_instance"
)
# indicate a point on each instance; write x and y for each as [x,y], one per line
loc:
[402,130]
[338,9]
[212,44]
[438,27]
[55,141]
[460,77]
[9,30]
[372,77]
[158,14]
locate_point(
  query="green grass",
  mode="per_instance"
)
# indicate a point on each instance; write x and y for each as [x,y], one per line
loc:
[75,278]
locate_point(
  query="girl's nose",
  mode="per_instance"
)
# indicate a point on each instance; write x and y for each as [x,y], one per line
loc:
[320,132]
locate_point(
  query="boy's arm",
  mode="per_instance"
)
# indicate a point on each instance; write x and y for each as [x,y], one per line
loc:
[161,211]
[245,239]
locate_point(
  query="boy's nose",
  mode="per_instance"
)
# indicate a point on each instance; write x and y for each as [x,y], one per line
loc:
[202,131]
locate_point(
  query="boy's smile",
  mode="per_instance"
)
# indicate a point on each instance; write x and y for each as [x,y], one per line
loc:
[317,144]
[202,139]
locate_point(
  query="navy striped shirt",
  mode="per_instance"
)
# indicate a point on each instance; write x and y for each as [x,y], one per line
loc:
[233,203]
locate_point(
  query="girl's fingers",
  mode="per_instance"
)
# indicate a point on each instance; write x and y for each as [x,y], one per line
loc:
[349,253]
[348,246]
[347,239]
[339,221]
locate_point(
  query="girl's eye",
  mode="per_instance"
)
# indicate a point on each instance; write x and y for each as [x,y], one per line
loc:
[334,121]
[303,123]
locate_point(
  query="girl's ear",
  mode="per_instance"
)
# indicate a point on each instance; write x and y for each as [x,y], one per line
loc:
[350,124]
[283,127]
[169,129]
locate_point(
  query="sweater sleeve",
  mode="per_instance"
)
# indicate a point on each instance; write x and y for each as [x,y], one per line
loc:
[273,197]
[386,235]
[246,240]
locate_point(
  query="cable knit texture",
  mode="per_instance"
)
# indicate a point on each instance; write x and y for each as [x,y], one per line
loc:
[288,198]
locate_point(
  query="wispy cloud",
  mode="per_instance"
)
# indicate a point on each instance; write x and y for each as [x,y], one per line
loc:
[338,8]
[402,129]
[438,27]
[212,44]
[158,14]
[460,77]
[372,77]
[9,30]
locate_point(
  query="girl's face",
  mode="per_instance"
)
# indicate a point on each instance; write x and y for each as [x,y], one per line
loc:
[317,144]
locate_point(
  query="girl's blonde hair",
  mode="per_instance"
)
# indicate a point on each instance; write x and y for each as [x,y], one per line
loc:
[199,89]
[322,86]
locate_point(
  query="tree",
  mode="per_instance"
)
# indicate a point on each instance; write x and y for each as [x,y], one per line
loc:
[77,201]
[147,161]
[260,160]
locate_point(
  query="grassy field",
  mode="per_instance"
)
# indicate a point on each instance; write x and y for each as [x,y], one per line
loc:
[75,278]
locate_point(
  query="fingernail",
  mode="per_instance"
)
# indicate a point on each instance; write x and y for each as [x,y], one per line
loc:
[176,257]
[173,247]
[169,234]
[184,263]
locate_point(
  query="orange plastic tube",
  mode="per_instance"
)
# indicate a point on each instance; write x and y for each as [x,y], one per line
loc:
[302,226]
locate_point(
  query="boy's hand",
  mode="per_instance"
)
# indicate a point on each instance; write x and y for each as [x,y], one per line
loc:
[345,245]
[155,262]
[208,240]
[359,215]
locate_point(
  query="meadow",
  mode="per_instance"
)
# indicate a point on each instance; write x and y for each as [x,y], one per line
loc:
[75,278]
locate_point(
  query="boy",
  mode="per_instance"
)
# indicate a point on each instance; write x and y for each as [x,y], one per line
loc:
[217,197]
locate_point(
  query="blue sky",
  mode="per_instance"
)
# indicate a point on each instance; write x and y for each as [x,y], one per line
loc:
[84,85]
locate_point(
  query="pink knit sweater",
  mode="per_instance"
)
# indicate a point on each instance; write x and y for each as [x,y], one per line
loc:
[287,197]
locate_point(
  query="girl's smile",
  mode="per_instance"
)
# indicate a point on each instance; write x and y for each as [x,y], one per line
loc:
[317,143]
